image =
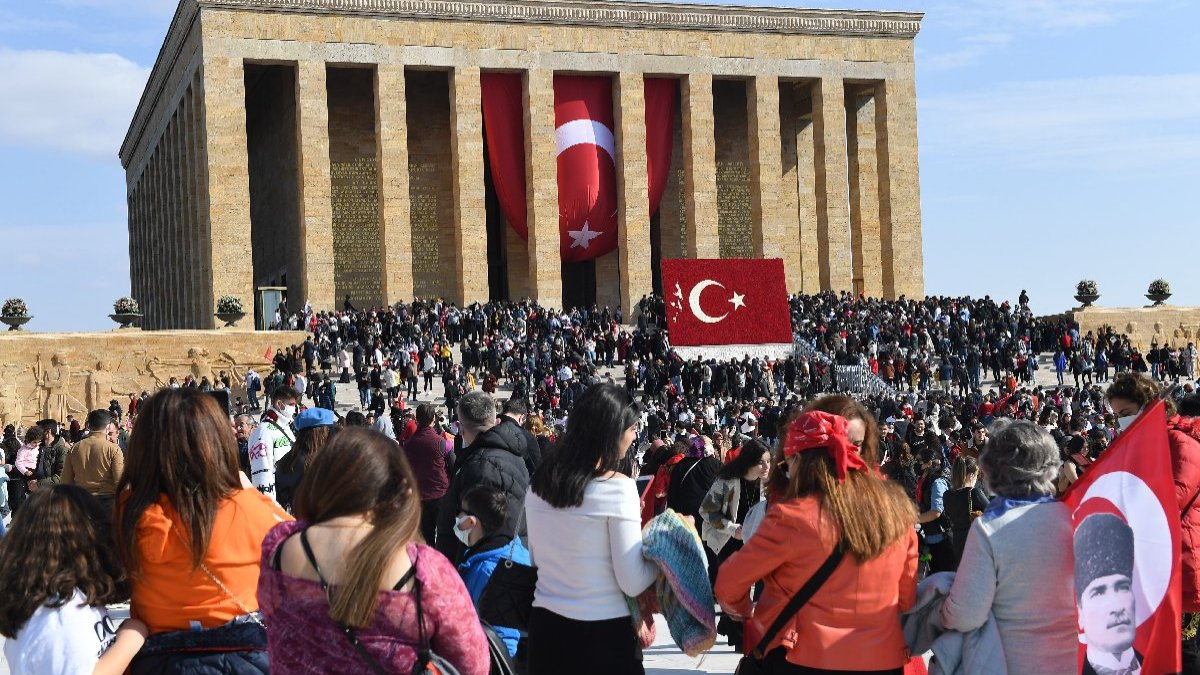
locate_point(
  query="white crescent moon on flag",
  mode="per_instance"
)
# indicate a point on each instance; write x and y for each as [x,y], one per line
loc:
[586,132]
[1152,553]
[694,301]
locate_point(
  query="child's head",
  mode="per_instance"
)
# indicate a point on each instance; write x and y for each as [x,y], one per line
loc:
[482,512]
[61,540]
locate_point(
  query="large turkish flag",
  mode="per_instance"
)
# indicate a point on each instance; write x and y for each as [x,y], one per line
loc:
[587,161]
[726,302]
[1127,574]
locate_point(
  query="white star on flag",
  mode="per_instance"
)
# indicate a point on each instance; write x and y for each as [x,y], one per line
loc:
[738,300]
[583,237]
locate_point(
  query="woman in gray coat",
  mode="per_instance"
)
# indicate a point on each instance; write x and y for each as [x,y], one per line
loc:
[1018,562]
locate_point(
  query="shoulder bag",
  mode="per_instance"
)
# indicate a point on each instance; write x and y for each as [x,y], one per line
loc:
[507,599]
[752,663]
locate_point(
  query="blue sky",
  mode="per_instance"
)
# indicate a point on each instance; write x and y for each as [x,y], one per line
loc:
[1059,140]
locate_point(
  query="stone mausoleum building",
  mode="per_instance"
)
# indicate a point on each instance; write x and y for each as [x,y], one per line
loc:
[336,147]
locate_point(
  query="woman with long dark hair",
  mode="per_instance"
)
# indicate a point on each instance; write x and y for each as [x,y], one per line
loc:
[585,538]
[829,500]
[344,588]
[314,428]
[737,489]
[60,570]
[191,534]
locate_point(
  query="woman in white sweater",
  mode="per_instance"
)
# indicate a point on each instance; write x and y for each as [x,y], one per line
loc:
[1018,562]
[585,539]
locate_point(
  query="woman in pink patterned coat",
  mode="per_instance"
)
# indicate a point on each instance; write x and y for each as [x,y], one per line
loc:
[341,588]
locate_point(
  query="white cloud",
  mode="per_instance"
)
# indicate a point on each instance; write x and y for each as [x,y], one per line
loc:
[74,102]
[1099,123]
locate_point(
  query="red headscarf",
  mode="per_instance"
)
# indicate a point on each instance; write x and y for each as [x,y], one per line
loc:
[822,430]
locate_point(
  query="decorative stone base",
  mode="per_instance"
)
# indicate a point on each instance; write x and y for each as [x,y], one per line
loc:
[52,375]
[1166,324]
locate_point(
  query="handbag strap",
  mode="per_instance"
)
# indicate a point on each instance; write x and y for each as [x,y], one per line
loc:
[512,545]
[802,596]
[240,605]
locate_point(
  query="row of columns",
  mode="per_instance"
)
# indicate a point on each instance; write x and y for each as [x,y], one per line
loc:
[168,224]
[844,177]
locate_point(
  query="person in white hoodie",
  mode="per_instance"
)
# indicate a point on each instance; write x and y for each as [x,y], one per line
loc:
[273,438]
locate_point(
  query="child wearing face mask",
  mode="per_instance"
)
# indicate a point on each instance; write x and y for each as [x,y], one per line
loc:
[479,525]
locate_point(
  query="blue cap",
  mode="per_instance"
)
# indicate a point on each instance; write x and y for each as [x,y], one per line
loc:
[314,417]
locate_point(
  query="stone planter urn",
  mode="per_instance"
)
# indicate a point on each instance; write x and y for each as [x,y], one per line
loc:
[231,319]
[1157,298]
[1086,299]
[125,320]
[15,322]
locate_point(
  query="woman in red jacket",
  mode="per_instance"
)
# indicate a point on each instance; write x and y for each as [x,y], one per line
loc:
[825,497]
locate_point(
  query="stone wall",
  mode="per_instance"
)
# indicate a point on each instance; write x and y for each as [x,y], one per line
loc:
[430,181]
[1167,324]
[52,375]
[354,179]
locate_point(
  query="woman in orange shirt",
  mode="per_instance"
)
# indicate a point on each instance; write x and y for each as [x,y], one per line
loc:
[190,534]
[823,498]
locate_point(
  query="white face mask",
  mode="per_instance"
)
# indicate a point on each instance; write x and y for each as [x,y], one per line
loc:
[463,535]
[288,411]
[1124,422]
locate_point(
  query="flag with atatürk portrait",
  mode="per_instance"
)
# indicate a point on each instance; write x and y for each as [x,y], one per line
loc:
[1128,593]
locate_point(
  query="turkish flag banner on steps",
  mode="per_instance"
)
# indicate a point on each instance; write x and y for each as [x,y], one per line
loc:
[1128,591]
[726,302]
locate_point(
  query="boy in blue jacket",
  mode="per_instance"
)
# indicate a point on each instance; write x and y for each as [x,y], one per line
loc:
[479,525]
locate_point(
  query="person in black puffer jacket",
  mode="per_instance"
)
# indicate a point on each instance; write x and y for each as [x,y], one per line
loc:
[491,456]
[691,479]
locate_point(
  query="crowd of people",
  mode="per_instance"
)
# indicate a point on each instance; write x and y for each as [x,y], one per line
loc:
[300,538]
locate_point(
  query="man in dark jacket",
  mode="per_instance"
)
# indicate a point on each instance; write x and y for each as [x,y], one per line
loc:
[512,421]
[426,453]
[491,456]
[57,449]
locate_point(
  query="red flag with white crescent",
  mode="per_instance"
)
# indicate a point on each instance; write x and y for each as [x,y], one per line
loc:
[726,302]
[1128,591]
[587,160]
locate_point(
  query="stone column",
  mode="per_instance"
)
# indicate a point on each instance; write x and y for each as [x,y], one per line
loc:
[608,279]
[806,193]
[633,216]
[225,260]
[466,150]
[316,193]
[864,192]
[185,211]
[199,306]
[899,187]
[395,225]
[699,166]
[766,166]
[833,222]
[134,200]
[159,286]
[175,272]
[541,190]
[202,290]
[789,204]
